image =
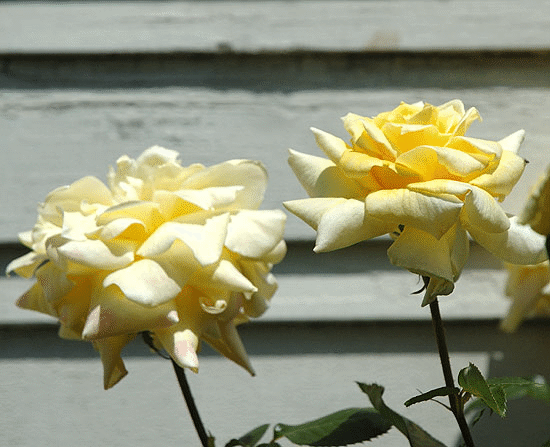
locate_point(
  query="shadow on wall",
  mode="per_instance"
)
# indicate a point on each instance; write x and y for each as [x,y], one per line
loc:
[520,354]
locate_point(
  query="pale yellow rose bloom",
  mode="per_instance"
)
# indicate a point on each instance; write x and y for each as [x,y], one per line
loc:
[181,252]
[528,286]
[412,173]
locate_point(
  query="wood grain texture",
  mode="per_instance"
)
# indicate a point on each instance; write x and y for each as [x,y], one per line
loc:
[218,26]
[50,138]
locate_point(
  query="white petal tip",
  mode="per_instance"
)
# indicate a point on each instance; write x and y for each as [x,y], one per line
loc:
[91,327]
[185,355]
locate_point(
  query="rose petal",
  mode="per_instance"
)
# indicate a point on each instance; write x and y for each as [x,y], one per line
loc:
[368,136]
[231,346]
[469,117]
[181,345]
[89,189]
[524,286]
[480,208]
[517,245]
[346,224]
[94,254]
[513,141]
[146,212]
[109,351]
[144,282]
[251,175]
[253,234]
[111,314]
[204,241]
[421,253]
[434,215]
[312,210]
[34,299]
[501,181]
[225,277]
[127,228]
[440,259]
[332,146]
[26,265]
[321,177]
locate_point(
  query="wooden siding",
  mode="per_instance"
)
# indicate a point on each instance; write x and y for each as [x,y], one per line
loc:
[82,83]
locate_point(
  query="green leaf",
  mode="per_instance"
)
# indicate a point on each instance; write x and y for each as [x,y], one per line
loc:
[546,444]
[337,429]
[438,392]
[516,388]
[473,382]
[417,436]
[250,439]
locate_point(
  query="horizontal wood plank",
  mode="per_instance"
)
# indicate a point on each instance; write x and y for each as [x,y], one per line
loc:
[50,138]
[302,372]
[252,26]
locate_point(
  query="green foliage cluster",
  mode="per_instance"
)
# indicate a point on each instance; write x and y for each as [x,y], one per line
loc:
[354,425]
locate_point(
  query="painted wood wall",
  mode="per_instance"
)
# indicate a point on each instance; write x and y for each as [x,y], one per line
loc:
[82,83]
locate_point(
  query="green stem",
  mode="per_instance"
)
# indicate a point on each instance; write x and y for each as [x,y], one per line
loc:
[182,380]
[457,406]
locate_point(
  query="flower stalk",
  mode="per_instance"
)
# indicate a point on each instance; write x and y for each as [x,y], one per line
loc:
[455,400]
[193,411]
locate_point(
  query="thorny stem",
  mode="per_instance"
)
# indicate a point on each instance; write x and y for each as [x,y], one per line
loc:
[182,380]
[457,406]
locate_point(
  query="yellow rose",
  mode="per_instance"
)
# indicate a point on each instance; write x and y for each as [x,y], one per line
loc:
[181,252]
[529,285]
[529,288]
[412,173]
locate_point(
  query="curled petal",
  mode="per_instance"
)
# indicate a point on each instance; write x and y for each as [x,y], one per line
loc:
[500,182]
[277,254]
[517,245]
[322,178]
[368,136]
[421,253]
[34,299]
[469,117]
[405,137]
[346,224]
[181,345]
[94,254]
[536,212]
[434,215]
[332,146]
[204,241]
[89,189]
[144,282]
[231,346]
[513,141]
[54,282]
[524,285]
[312,210]
[253,234]
[211,198]
[440,259]
[109,351]
[26,265]
[480,208]
[112,314]
[428,162]
[224,277]
[357,164]
[145,212]
[126,227]
[250,175]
